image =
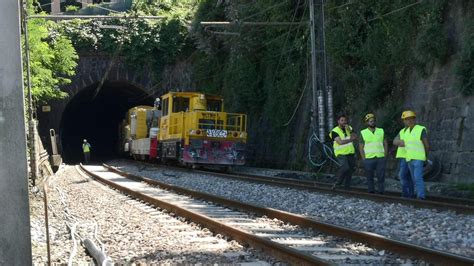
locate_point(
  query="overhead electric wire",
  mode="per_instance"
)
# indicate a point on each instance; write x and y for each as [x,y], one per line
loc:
[301,97]
[394,11]
[267,43]
[286,40]
[255,48]
[343,5]
[264,11]
[306,79]
[104,8]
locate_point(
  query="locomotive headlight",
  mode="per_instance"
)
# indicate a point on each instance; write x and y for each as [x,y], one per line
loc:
[242,135]
[192,131]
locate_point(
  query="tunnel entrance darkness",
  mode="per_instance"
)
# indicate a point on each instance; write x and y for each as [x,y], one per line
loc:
[97,119]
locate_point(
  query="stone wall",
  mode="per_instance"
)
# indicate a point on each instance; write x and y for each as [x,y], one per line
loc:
[444,110]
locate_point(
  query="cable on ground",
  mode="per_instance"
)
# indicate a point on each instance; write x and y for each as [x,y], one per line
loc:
[317,147]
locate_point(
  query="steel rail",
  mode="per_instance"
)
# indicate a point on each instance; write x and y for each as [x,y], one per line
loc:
[270,247]
[460,205]
[466,208]
[453,200]
[378,241]
[442,203]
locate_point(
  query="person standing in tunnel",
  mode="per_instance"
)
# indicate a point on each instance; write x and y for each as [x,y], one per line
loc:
[86,148]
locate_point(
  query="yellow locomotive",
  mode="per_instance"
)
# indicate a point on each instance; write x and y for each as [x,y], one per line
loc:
[189,127]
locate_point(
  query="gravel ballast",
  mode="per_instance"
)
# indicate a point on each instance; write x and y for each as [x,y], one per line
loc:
[131,232]
[444,230]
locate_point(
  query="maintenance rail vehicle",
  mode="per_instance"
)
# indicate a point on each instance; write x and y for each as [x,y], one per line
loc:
[190,128]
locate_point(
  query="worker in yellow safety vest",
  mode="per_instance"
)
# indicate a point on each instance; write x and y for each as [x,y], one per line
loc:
[414,143]
[343,138]
[408,188]
[373,149]
[86,148]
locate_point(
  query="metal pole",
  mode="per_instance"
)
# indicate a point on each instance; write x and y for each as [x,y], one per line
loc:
[313,66]
[331,122]
[27,60]
[31,122]
[15,247]
[46,220]
[321,81]
[330,102]
[55,6]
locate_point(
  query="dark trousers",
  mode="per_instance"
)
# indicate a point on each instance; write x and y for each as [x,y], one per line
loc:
[344,173]
[375,166]
[87,157]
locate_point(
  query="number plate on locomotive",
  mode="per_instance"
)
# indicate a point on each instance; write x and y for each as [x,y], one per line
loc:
[216,133]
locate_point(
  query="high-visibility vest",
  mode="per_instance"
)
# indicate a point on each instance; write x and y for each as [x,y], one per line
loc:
[86,147]
[401,151]
[415,149]
[373,143]
[344,149]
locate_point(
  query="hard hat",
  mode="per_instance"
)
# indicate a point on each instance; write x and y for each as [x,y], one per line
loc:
[85,140]
[408,114]
[369,116]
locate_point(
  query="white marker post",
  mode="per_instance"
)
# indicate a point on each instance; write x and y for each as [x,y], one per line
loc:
[15,239]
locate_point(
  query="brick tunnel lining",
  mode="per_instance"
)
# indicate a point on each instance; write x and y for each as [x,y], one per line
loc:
[97,119]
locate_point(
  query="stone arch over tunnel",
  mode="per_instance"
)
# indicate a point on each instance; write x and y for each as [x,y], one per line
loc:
[96,117]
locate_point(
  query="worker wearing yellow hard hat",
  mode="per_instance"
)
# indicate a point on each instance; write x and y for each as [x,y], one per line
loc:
[413,148]
[373,148]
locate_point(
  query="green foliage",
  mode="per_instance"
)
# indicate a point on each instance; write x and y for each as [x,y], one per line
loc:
[372,52]
[465,64]
[373,46]
[71,8]
[172,9]
[260,71]
[141,42]
[432,40]
[52,60]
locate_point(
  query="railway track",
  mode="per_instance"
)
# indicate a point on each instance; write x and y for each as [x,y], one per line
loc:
[292,244]
[458,205]
[433,198]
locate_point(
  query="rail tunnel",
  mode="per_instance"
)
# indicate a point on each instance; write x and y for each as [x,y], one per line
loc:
[96,116]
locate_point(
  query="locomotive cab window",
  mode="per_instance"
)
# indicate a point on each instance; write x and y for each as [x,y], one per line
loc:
[180,104]
[214,105]
[165,106]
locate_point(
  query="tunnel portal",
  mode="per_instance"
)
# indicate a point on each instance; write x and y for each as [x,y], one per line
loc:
[97,119]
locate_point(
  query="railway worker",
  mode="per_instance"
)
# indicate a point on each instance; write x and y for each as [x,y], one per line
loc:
[373,148]
[415,142]
[343,145]
[86,148]
[408,188]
